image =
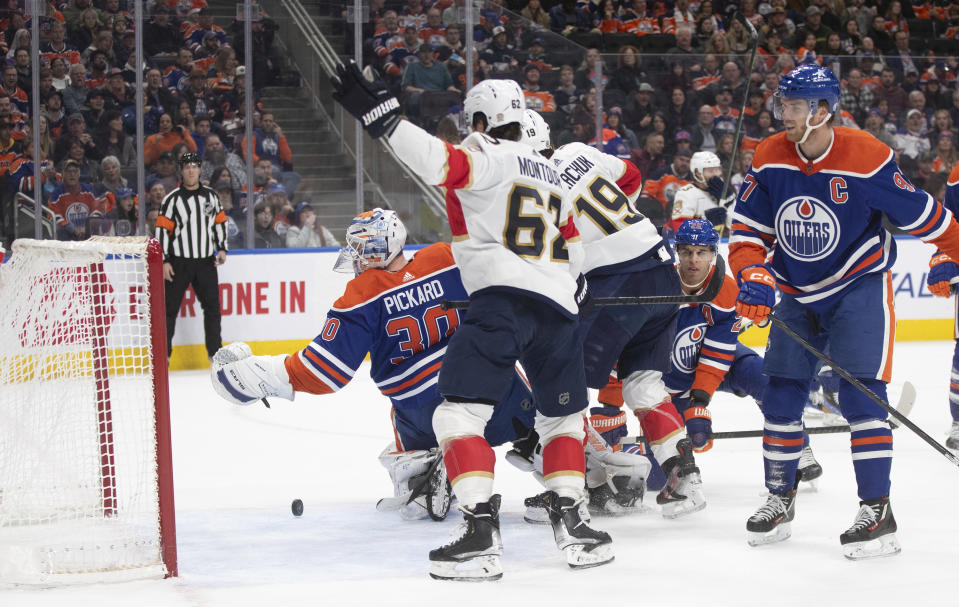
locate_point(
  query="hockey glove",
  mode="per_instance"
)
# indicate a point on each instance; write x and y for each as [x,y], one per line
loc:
[366,97]
[716,215]
[715,187]
[943,275]
[757,293]
[582,292]
[699,424]
[610,422]
[242,379]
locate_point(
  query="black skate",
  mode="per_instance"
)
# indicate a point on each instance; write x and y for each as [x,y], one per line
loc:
[474,554]
[432,490]
[537,509]
[873,533]
[616,498]
[584,546]
[808,466]
[772,522]
[953,441]
[683,492]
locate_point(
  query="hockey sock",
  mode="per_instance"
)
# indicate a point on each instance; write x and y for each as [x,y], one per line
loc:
[954,385]
[663,428]
[783,435]
[870,438]
[564,466]
[469,465]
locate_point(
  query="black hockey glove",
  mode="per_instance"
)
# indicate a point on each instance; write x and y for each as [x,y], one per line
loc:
[716,216]
[366,97]
[582,292]
[715,187]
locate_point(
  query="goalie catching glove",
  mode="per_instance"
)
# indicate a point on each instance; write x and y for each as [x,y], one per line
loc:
[243,379]
[364,95]
[943,275]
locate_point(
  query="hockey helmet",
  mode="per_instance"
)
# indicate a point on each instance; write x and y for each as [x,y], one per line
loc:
[190,158]
[700,161]
[373,240]
[697,232]
[810,82]
[535,131]
[500,101]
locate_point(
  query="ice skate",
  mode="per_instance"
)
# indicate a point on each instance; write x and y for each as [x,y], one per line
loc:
[616,498]
[584,546]
[537,512]
[683,492]
[772,522]
[473,554]
[873,533]
[808,466]
[953,441]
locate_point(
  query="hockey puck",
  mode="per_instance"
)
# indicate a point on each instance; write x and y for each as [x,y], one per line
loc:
[297,507]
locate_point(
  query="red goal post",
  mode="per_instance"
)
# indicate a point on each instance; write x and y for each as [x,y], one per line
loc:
[86,481]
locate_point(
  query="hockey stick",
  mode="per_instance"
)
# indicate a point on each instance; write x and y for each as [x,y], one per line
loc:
[709,294]
[906,400]
[905,421]
[737,137]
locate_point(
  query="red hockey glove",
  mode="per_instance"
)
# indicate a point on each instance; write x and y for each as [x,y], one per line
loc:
[943,275]
[757,293]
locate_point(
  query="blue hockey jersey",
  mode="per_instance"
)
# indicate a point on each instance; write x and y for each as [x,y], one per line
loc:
[397,318]
[705,343]
[822,218]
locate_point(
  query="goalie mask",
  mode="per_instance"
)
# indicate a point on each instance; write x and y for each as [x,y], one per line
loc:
[373,240]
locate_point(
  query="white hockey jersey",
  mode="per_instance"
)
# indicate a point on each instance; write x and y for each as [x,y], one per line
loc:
[690,202]
[510,223]
[601,190]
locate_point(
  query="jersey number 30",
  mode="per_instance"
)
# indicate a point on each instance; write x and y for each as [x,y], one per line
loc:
[420,334]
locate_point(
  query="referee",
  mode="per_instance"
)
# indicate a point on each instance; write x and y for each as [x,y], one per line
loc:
[191,228]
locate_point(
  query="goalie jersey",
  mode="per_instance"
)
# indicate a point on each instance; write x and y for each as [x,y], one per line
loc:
[397,318]
[825,216]
[705,343]
[601,190]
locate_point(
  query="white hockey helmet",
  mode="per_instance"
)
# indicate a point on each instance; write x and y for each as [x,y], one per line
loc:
[535,131]
[373,240]
[700,161]
[501,101]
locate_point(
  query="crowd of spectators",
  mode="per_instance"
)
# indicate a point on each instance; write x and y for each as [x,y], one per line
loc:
[193,101]
[675,73]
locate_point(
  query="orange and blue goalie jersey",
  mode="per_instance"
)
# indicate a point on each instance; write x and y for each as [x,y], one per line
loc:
[825,216]
[397,318]
[705,344]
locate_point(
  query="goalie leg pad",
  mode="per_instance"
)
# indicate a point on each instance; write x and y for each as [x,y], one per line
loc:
[251,378]
[420,486]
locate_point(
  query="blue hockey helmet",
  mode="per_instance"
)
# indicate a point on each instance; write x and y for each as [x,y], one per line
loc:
[810,82]
[697,232]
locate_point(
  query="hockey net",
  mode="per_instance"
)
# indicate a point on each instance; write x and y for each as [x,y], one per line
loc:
[86,491]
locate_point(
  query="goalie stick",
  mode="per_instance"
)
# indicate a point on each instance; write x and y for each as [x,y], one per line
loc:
[906,400]
[905,421]
[708,294]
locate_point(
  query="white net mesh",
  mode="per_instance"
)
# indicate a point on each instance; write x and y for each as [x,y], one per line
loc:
[78,446]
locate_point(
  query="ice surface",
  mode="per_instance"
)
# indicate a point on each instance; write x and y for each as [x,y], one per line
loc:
[238,469]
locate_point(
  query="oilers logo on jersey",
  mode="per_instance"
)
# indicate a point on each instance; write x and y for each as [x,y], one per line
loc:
[685,355]
[807,229]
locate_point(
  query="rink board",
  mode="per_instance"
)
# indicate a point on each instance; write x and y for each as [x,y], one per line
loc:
[277,301]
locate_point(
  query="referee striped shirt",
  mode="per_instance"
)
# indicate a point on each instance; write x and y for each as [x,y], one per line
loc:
[191,224]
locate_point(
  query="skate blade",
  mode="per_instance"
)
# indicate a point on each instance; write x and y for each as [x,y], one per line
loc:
[810,475]
[619,510]
[887,545]
[477,569]
[584,556]
[694,502]
[536,516]
[782,532]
